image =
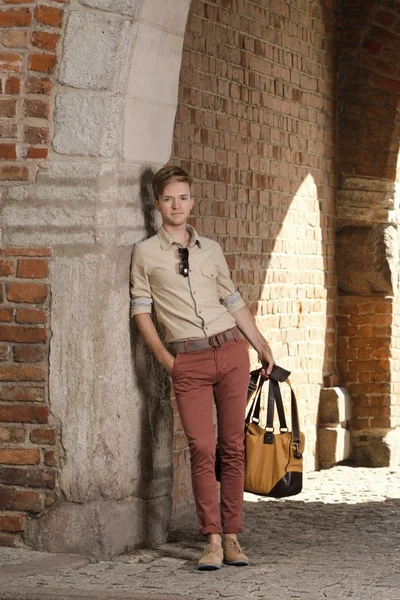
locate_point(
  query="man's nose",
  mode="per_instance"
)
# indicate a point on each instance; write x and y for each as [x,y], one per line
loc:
[175,203]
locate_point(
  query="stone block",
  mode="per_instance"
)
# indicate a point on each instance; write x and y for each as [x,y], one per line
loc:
[376,448]
[122,7]
[101,529]
[148,131]
[96,48]
[156,65]
[334,406]
[333,445]
[173,15]
[87,124]
[373,268]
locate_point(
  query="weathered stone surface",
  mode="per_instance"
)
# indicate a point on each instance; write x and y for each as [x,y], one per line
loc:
[101,529]
[87,124]
[334,406]
[148,131]
[365,200]
[367,259]
[96,48]
[93,387]
[376,448]
[156,63]
[333,445]
[123,7]
[173,15]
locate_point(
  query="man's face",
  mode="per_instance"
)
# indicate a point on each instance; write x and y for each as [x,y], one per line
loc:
[175,203]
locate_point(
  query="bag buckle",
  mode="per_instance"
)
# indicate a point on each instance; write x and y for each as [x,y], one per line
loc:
[297,453]
[269,436]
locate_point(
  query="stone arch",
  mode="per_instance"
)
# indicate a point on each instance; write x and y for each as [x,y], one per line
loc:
[367,244]
[114,111]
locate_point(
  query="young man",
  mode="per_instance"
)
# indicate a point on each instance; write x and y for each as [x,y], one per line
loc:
[186,278]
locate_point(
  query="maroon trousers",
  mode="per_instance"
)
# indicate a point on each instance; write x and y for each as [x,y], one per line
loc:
[223,371]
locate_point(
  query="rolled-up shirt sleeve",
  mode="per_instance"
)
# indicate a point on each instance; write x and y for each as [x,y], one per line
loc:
[228,295]
[141,300]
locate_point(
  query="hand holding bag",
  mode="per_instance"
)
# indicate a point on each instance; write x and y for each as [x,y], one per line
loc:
[274,461]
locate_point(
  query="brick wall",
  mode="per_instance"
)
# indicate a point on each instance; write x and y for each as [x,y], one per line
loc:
[369,87]
[27,436]
[30,33]
[255,127]
[364,353]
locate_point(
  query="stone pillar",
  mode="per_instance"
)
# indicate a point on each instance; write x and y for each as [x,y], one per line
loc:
[367,269]
[114,112]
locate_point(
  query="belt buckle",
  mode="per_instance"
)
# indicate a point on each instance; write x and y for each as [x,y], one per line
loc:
[216,340]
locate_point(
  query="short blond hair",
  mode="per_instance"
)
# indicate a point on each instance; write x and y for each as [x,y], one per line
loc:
[167,175]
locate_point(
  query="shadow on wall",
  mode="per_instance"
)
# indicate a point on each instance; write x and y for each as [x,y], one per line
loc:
[157,422]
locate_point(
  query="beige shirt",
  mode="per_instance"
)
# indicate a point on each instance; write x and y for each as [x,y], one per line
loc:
[196,306]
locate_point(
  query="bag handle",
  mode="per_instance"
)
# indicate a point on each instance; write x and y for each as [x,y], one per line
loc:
[274,397]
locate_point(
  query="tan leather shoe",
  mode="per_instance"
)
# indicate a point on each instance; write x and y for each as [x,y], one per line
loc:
[211,558]
[233,554]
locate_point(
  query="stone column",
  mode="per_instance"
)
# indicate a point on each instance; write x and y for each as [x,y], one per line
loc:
[367,271]
[114,112]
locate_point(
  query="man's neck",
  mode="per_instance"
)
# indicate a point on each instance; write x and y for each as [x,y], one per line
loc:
[179,234]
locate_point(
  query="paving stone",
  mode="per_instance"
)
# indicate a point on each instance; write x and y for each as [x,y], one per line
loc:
[339,539]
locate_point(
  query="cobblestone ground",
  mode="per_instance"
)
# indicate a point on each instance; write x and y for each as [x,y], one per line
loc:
[339,539]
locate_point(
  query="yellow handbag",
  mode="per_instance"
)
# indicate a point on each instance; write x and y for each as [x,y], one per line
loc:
[274,461]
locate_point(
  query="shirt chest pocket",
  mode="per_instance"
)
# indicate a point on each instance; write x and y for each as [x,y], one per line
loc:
[209,271]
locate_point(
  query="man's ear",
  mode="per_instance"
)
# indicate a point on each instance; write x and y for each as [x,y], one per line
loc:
[156,204]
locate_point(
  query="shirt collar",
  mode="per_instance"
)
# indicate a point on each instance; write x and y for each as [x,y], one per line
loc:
[166,240]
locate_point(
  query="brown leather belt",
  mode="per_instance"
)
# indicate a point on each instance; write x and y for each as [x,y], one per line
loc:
[214,341]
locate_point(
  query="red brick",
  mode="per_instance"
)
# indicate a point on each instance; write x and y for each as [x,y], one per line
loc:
[15,413]
[4,352]
[49,458]
[20,17]
[39,109]
[19,456]
[34,293]
[6,315]
[29,354]
[8,107]
[18,393]
[27,500]
[8,151]
[30,315]
[12,435]
[38,85]
[15,38]
[25,252]
[22,373]
[37,153]
[21,334]
[33,477]
[11,61]
[8,540]
[42,436]
[13,85]
[12,523]
[6,268]
[36,135]
[45,40]
[42,63]
[13,173]
[32,268]
[49,16]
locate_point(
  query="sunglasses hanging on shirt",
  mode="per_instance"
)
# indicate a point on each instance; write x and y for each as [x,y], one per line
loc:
[184,264]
